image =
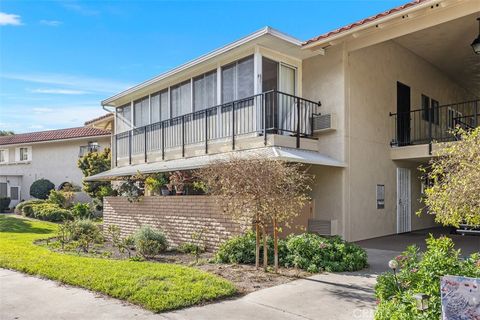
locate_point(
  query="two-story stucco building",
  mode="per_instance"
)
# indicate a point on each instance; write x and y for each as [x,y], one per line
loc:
[362,105]
[52,155]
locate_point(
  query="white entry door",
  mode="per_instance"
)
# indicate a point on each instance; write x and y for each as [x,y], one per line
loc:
[404,203]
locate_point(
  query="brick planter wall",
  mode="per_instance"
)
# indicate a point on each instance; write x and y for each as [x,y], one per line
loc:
[177,216]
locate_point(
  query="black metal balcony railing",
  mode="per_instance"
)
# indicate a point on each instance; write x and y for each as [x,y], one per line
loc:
[271,112]
[435,124]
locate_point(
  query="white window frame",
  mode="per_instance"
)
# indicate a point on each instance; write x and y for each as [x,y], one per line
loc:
[5,155]
[29,154]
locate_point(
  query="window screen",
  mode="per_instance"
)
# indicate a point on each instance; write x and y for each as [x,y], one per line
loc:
[205,91]
[180,99]
[245,78]
[155,108]
[140,115]
[237,80]
[228,83]
[123,118]
[3,155]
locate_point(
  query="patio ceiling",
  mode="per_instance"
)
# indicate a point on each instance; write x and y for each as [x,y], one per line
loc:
[277,153]
[447,46]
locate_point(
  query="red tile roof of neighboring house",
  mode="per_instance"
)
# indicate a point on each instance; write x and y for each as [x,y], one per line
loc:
[364,21]
[61,134]
[105,116]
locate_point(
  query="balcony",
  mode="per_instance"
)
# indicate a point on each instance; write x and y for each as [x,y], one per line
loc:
[226,125]
[424,126]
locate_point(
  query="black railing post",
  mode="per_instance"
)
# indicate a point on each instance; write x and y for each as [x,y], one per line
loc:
[130,146]
[430,135]
[298,122]
[475,122]
[264,105]
[206,131]
[233,125]
[145,142]
[183,136]
[163,140]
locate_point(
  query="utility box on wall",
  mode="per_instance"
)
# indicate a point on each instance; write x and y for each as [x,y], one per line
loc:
[380,196]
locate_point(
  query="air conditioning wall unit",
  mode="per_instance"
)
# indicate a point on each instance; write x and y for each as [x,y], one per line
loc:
[324,122]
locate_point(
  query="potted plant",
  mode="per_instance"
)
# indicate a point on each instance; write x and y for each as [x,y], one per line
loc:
[157,184]
[178,180]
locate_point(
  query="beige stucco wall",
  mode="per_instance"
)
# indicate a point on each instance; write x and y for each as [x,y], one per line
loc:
[55,161]
[372,76]
[324,81]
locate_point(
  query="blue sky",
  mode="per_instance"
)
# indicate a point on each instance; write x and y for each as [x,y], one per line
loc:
[59,59]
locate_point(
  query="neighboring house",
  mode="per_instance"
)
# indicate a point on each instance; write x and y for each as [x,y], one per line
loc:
[53,155]
[361,105]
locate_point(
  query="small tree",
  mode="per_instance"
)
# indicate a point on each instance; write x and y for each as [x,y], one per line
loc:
[93,163]
[258,191]
[453,196]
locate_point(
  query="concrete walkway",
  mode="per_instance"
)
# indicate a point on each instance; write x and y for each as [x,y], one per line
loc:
[324,296]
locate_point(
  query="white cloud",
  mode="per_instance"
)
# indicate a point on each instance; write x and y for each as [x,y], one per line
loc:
[45,117]
[51,23]
[36,126]
[42,110]
[59,91]
[75,6]
[7,19]
[81,83]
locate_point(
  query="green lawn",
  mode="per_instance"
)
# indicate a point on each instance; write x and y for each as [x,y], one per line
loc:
[156,286]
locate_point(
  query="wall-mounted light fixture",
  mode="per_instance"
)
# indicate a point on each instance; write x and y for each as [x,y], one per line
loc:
[476,43]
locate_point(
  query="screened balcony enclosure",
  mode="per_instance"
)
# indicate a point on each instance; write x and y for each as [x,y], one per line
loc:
[271,112]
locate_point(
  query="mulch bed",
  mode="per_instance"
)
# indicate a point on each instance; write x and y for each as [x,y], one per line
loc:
[245,277]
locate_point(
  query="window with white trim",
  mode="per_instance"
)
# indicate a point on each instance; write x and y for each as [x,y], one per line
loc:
[124,118]
[24,154]
[181,99]
[205,91]
[140,112]
[3,155]
[237,80]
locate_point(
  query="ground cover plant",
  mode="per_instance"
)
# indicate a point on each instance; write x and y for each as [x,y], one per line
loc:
[309,252]
[420,273]
[156,286]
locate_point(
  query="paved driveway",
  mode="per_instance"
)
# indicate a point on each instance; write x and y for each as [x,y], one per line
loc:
[324,296]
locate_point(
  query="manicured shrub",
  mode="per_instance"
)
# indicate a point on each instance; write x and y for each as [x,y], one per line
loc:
[48,212]
[4,203]
[150,242]
[41,188]
[81,211]
[19,208]
[421,273]
[315,253]
[310,252]
[241,249]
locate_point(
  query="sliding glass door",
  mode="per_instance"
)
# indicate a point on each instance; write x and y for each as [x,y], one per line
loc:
[280,109]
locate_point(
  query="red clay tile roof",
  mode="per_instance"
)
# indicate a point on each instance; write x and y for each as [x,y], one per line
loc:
[105,116]
[364,21]
[61,134]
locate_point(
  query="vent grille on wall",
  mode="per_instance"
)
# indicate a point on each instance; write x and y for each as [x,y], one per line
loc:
[321,227]
[324,122]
